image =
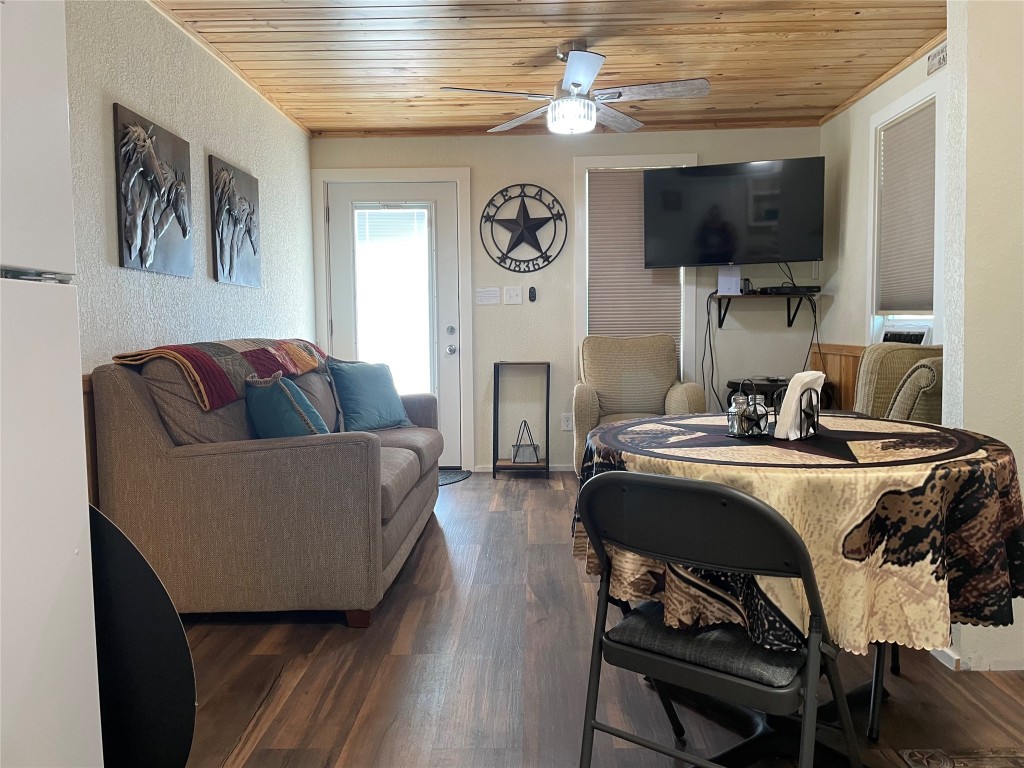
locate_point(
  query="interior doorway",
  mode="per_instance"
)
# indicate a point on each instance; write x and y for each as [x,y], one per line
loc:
[393,289]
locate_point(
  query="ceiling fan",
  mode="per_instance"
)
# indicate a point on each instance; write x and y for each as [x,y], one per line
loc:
[575,108]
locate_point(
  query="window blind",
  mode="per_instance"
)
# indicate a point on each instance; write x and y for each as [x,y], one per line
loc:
[623,298]
[905,213]
[376,223]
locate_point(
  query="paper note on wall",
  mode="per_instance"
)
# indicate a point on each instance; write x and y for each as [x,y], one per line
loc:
[488,296]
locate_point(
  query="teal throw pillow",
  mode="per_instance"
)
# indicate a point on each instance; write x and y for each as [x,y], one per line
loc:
[368,396]
[278,408]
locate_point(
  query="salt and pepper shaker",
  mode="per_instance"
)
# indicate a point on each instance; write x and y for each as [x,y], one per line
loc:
[747,415]
[758,416]
[735,413]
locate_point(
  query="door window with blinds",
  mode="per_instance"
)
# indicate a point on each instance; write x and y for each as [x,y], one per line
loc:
[905,213]
[393,252]
[623,298]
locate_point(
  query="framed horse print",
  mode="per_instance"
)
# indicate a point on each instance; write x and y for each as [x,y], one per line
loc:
[154,200]
[234,224]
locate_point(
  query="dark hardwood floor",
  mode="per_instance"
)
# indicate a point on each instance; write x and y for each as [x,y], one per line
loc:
[478,659]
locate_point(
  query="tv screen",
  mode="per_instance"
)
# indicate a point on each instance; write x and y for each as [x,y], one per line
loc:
[737,213]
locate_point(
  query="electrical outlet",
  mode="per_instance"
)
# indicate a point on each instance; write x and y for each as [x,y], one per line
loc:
[567,422]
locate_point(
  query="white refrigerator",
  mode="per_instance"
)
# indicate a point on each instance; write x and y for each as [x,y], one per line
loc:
[49,700]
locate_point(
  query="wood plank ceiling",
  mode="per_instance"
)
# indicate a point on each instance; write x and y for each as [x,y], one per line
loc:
[364,68]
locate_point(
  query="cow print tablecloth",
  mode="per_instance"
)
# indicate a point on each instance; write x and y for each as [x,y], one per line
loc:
[910,527]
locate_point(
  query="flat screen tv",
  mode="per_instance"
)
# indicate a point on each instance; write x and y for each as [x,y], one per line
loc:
[737,213]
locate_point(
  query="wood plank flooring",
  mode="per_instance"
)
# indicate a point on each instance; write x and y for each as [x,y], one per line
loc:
[478,659]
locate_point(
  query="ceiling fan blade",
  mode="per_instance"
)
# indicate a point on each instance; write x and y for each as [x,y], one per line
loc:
[534,96]
[617,121]
[520,120]
[673,89]
[581,67]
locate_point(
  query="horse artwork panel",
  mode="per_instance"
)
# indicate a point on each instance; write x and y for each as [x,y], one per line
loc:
[153,198]
[234,224]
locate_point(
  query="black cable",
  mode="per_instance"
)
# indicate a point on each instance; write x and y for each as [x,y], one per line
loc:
[704,347]
[788,272]
[709,347]
[815,336]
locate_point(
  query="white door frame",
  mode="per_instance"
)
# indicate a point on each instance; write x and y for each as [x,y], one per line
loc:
[321,177]
[688,280]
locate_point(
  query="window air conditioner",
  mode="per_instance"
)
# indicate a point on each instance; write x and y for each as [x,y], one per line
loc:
[908,330]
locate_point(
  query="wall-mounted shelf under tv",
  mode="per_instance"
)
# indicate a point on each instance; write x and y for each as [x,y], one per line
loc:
[793,303]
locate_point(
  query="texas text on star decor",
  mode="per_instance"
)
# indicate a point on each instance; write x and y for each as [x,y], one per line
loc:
[523,228]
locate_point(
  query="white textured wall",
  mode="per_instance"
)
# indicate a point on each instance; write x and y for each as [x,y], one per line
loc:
[756,339]
[987,142]
[846,145]
[983,308]
[126,52]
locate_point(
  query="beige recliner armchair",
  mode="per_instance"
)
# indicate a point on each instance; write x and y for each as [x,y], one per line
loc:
[628,378]
[900,381]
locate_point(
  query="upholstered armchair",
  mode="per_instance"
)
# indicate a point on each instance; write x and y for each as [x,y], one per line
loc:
[900,381]
[628,378]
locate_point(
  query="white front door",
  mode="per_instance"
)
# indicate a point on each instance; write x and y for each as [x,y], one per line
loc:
[394,289]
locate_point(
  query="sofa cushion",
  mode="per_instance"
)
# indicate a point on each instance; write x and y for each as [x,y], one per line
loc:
[426,443]
[367,395]
[395,532]
[399,471]
[184,417]
[278,408]
[319,390]
[188,423]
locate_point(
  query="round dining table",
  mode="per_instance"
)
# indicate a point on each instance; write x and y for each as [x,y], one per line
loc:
[910,527]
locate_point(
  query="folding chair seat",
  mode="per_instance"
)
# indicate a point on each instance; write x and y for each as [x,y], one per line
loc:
[705,525]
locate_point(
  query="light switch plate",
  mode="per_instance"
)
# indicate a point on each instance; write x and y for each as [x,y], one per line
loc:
[513,294]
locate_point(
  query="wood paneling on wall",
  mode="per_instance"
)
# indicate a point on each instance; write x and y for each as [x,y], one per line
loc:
[840,362]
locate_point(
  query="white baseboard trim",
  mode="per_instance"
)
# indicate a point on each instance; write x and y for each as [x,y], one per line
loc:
[948,657]
[552,468]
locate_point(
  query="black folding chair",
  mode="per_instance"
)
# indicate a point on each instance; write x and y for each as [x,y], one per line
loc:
[705,525]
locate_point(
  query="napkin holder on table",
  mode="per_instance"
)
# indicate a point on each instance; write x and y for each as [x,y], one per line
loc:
[797,416]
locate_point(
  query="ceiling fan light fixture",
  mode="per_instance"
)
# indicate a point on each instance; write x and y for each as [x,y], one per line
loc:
[572,114]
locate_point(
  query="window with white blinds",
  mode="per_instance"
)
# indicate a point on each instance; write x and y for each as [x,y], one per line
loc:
[905,213]
[623,298]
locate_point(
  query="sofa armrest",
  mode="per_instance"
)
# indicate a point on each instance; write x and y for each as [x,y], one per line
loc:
[289,523]
[918,397]
[882,368]
[685,398]
[586,412]
[421,409]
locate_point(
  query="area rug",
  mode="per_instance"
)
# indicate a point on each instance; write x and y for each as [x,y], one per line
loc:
[1011,757]
[449,476]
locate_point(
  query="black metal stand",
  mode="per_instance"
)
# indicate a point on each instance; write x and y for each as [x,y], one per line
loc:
[508,465]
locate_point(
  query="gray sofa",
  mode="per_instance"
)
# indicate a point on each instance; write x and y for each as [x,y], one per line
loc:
[233,523]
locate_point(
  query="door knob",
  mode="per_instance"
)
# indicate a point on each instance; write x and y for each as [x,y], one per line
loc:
[450,349]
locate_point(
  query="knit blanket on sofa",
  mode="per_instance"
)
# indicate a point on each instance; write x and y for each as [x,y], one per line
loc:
[217,370]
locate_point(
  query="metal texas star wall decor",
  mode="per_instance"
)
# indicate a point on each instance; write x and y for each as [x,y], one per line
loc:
[523,228]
